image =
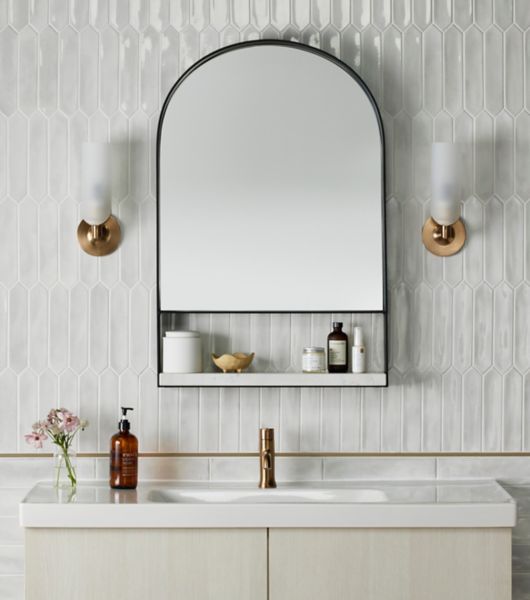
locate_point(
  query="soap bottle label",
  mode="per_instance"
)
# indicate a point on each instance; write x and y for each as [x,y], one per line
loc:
[124,464]
[336,352]
[358,359]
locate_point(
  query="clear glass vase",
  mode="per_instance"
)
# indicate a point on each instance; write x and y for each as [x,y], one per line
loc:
[64,468]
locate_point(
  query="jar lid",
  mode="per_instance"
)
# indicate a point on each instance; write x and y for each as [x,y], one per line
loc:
[314,349]
[182,334]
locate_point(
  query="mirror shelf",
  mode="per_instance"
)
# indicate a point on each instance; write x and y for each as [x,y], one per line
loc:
[277,341]
[271,214]
[272,379]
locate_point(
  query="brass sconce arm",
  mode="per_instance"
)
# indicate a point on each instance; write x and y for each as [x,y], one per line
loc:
[444,240]
[99,240]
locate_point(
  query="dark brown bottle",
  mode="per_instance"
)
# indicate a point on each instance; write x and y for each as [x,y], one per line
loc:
[337,350]
[124,456]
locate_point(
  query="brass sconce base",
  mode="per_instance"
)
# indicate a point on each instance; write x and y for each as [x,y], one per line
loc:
[444,240]
[99,240]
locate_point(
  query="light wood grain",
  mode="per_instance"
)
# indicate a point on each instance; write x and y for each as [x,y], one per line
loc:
[231,564]
[171,564]
[390,564]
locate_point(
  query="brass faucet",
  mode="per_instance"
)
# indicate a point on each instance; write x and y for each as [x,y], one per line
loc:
[266,458]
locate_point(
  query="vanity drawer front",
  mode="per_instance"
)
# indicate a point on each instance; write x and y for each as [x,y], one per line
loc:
[390,564]
[137,564]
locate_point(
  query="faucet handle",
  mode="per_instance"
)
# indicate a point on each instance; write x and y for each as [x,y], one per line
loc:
[266,433]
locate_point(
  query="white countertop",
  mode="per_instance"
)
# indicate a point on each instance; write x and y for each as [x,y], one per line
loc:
[157,504]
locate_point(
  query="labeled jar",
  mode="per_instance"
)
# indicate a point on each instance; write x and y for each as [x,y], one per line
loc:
[314,360]
[182,352]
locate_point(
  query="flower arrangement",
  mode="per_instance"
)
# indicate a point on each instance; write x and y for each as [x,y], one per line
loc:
[61,426]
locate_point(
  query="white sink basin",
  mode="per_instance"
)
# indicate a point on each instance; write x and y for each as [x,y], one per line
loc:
[319,504]
[288,495]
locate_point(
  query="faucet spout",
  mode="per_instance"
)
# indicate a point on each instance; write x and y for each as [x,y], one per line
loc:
[266,458]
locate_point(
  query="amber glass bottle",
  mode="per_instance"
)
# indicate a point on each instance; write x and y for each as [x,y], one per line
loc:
[337,350]
[124,456]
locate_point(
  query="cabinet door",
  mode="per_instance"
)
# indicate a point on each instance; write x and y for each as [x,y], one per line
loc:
[139,564]
[390,564]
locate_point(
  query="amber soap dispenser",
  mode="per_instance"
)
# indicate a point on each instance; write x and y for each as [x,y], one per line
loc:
[124,456]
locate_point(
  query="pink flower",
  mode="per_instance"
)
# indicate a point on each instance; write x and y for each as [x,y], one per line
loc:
[69,421]
[35,439]
[40,426]
[60,426]
[52,416]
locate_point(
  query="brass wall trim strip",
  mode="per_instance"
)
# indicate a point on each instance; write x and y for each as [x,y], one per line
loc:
[285,454]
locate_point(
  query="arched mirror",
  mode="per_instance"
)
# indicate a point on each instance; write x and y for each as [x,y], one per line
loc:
[270,185]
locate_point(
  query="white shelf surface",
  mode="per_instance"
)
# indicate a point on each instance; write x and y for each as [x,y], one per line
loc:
[272,379]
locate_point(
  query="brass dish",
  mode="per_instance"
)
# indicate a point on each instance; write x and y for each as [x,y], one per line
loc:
[233,363]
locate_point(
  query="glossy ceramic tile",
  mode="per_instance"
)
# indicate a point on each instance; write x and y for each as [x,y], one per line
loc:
[81,331]
[247,469]
[505,469]
[379,468]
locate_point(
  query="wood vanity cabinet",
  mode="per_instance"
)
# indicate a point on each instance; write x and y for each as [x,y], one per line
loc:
[390,564]
[146,564]
[274,564]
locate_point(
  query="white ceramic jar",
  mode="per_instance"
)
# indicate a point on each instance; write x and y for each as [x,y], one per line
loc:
[314,360]
[182,352]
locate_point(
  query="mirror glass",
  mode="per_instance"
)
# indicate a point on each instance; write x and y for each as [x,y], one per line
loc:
[270,186]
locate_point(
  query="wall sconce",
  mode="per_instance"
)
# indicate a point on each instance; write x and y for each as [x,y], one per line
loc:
[444,233]
[99,232]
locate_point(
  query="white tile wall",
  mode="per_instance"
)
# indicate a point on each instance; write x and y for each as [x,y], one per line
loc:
[80,331]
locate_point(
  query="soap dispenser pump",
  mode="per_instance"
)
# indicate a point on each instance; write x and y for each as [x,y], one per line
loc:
[124,456]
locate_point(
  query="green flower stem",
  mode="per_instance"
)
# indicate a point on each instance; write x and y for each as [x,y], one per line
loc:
[64,446]
[64,440]
[70,469]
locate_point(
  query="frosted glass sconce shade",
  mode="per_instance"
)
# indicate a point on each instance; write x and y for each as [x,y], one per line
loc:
[99,232]
[95,183]
[444,233]
[445,200]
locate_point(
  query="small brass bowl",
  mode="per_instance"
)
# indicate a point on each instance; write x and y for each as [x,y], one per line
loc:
[233,363]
